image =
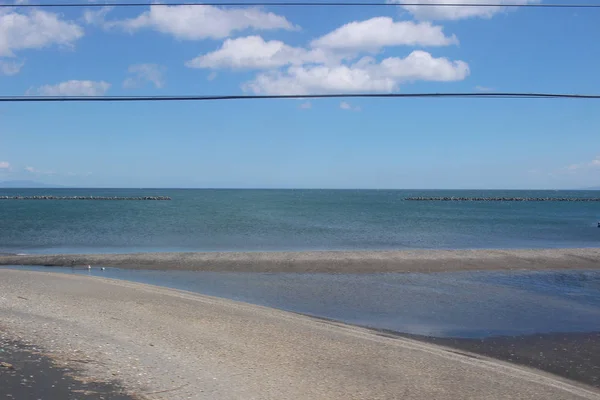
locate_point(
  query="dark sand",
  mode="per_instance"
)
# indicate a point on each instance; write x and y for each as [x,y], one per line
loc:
[25,373]
[574,356]
[332,261]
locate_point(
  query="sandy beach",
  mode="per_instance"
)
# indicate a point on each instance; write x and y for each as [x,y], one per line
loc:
[331,261]
[161,343]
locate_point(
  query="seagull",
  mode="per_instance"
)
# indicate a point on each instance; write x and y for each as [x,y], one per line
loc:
[89,267]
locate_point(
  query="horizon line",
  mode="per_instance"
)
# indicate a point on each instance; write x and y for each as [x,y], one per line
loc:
[282,188]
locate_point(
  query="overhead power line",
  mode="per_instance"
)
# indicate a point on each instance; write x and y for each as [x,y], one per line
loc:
[299,4]
[19,99]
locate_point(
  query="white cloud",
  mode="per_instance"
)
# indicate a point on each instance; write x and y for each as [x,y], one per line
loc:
[305,106]
[483,88]
[347,106]
[595,163]
[375,33]
[34,30]
[459,12]
[10,67]
[144,73]
[326,66]
[253,52]
[318,79]
[420,65]
[212,76]
[96,16]
[73,88]
[33,170]
[366,75]
[4,166]
[199,22]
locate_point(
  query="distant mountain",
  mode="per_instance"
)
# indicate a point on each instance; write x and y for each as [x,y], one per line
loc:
[592,188]
[26,184]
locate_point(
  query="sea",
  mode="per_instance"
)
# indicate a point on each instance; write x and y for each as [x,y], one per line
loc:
[291,220]
[457,305]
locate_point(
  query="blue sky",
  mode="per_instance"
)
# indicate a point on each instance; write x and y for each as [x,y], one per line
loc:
[325,143]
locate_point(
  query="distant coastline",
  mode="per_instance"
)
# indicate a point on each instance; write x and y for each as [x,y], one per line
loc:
[28,185]
[330,261]
[40,185]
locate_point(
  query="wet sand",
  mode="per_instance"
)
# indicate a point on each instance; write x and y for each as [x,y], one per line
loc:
[184,345]
[25,373]
[331,261]
[571,355]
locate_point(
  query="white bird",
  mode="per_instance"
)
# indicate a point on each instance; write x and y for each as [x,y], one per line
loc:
[89,267]
[102,268]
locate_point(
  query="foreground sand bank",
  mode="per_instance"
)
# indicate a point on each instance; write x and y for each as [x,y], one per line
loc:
[331,261]
[167,344]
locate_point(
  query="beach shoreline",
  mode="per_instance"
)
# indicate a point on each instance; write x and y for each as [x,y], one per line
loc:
[179,345]
[330,261]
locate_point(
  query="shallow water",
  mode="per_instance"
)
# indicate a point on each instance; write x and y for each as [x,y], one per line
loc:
[457,304]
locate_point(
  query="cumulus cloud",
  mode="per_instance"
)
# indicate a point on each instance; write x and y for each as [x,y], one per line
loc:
[328,64]
[4,166]
[34,30]
[10,67]
[196,22]
[319,79]
[73,88]
[253,52]
[420,65]
[366,75]
[375,33]
[458,12]
[145,73]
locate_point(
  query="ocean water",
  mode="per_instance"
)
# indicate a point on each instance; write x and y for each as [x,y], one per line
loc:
[273,220]
[457,304]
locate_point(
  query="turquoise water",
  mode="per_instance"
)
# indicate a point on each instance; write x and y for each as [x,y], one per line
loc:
[254,220]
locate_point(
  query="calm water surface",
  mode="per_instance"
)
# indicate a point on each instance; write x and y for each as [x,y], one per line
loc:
[459,304]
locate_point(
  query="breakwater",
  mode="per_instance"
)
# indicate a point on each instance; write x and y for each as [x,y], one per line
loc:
[585,199]
[161,198]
